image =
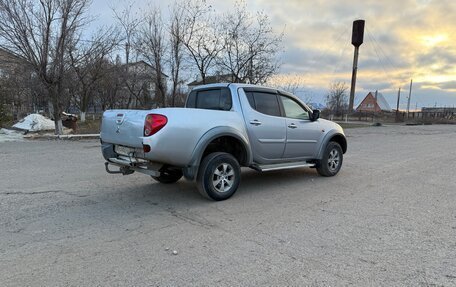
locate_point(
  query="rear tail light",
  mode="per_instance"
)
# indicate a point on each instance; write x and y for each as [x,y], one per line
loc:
[154,123]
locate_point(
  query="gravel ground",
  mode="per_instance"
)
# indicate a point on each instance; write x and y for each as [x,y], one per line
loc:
[387,219]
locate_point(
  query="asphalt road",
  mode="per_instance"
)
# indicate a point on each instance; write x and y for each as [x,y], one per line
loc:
[387,219]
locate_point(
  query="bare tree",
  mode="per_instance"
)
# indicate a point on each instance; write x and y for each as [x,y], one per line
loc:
[40,32]
[107,91]
[292,83]
[250,46]
[128,25]
[110,85]
[337,99]
[89,61]
[176,49]
[200,37]
[151,45]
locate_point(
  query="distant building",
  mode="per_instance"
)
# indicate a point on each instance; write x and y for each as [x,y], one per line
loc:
[9,62]
[373,102]
[19,92]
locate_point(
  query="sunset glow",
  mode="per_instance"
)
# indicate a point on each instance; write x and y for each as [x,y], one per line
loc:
[403,40]
[434,40]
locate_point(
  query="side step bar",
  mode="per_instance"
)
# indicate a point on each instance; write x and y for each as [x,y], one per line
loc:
[279,166]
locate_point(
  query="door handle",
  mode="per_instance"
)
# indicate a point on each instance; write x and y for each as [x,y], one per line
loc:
[255,122]
[292,126]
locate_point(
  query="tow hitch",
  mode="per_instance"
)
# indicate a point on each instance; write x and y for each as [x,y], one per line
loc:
[125,170]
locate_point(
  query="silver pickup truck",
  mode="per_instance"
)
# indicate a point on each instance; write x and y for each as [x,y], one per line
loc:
[221,128]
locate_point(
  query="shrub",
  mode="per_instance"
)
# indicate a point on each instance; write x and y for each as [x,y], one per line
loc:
[5,115]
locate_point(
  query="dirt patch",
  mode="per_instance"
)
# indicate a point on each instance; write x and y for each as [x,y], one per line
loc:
[89,127]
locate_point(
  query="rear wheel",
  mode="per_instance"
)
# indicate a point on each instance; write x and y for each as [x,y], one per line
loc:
[168,175]
[219,176]
[332,159]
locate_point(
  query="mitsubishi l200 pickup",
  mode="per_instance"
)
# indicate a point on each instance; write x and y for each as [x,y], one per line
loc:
[222,128]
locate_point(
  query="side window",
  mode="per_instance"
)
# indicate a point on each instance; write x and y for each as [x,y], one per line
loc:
[293,109]
[251,100]
[225,99]
[191,100]
[213,99]
[265,103]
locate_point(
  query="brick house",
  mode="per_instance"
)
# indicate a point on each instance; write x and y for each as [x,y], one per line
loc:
[373,102]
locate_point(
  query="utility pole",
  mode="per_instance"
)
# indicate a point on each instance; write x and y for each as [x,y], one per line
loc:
[409,97]
[376,102]
[357,40]
[397,105]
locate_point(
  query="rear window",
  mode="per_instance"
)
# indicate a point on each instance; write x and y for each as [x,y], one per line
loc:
[212,99]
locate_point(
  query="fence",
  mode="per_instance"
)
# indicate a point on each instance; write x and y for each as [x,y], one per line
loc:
[440,116]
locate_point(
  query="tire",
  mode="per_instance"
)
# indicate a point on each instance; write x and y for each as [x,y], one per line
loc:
[219,176]
[332,160]
[168,175]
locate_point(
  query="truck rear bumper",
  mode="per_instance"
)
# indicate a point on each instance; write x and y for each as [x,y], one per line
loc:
[128,165]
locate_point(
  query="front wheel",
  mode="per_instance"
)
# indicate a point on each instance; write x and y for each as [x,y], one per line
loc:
[332,159]
[219,176]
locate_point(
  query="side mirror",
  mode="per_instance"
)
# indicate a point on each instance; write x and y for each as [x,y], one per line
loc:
[315,115]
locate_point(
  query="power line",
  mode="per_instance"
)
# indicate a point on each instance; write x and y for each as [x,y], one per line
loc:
[343,51]
[388,59]
[382,64]
[335,41]
[379,51]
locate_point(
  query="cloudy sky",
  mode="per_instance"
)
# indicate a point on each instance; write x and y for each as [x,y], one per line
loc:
[403,40]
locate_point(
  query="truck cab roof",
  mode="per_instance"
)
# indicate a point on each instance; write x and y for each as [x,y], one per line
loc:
[246,87]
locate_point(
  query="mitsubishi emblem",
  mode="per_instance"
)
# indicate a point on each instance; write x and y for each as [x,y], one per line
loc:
[119,120]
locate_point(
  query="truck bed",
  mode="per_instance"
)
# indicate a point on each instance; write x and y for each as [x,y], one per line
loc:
[175,143]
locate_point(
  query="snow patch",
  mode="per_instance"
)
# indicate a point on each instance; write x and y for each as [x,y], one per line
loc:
[35,123]
[10,135]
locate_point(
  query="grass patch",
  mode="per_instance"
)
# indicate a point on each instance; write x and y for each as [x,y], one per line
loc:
[6,124]
[353,125]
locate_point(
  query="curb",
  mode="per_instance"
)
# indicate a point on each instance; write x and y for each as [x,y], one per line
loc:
[64,137]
